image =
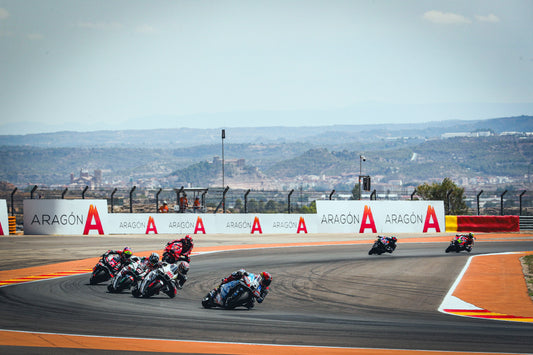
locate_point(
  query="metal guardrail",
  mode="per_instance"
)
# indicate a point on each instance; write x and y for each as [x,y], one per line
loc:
[526,222]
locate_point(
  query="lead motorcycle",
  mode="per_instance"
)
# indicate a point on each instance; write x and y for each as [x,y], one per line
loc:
[379,247]
[234,294]
[105,269]
[162,279]
[127,276]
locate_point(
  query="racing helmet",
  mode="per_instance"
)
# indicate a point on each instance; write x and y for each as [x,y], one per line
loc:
[266,278]
[394,239]
[187,241]
[127,253]
[154,258]
[471,235]
[183,267]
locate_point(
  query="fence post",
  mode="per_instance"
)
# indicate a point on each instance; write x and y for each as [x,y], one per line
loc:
[448,200]
[522,194]
[374,193]
[203,200]
[157,200]
[112,200]
[289,201]
[12,201]
[64,192]
[477,200]
[178,193]
[246,201]
[32,191]
[84,191]
[413,195]
[501,202]
[331,194]
[131,198]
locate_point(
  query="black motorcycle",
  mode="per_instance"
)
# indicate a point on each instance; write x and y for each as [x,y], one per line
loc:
[106,268]
[234,294]
[458,247]
[380,248]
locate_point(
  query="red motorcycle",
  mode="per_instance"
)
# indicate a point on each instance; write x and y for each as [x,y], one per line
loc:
[172,254]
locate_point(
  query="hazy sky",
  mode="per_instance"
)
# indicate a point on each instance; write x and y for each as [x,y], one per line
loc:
[72,64]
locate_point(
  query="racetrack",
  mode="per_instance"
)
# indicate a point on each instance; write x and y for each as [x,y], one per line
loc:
[335,296]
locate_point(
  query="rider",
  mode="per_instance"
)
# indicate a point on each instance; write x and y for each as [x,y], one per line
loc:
[150,263]
[388,242]
[465,240]
[124,254]
[262,290]
[179,250]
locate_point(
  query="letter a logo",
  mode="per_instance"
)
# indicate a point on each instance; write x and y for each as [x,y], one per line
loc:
[431,215]
[93,214]
[151,226]
[301,226]
[367,214]
[257,226]
[199,226]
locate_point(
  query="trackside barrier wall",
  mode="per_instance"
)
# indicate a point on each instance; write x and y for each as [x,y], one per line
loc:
[4,221]
[380,216]
[482,223]
[84,217]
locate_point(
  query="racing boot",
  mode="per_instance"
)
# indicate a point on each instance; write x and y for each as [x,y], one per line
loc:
[180,280]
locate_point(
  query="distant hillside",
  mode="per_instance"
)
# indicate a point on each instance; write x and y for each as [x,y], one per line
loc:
[167,158]
[334,135]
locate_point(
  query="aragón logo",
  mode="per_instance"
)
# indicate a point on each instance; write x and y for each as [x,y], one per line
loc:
[90,225]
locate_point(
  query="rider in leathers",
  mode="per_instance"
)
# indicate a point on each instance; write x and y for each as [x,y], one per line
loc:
[180,250]
[259,295]
[465,240]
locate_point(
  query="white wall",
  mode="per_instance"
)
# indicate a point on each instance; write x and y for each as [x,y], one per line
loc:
[83,217]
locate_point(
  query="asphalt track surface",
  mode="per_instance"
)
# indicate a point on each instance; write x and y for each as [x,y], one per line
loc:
[331,296]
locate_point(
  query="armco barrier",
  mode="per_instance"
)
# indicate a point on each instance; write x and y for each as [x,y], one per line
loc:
[482,223]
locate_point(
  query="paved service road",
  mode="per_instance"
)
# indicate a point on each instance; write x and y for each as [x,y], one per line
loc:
[335,296]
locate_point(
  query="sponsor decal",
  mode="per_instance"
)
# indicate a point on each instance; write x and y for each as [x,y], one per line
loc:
[301,226]
[97,225]
[367,215]
[256,227]
[151,226]
[199,226]
[431,220]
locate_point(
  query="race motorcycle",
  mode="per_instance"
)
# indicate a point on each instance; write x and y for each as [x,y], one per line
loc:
[172,252]
[380,248]
[127,276]
[235,293]
[456,246]
[161,279]
[106,268]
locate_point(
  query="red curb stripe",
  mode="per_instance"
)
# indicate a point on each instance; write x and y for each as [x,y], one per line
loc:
[43,277]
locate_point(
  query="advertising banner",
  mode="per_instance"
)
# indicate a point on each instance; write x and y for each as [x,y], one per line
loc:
[65,217]
[191,223]
[4,221]
[380,216]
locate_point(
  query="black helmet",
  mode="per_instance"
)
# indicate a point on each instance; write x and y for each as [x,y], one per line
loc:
[154,258]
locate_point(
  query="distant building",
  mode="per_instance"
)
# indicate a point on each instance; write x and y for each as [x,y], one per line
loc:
[86,180]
